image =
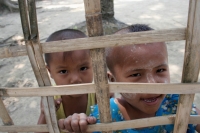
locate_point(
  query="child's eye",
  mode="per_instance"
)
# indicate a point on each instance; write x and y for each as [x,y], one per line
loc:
[63,71]
[160,70]
[83,68]
[135,75]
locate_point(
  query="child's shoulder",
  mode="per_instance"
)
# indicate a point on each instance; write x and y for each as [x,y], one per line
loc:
[114,109]
[169,106]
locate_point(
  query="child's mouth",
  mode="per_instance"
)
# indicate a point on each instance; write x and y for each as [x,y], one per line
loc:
[151,101]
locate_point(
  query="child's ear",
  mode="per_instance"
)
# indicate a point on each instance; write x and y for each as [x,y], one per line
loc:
[110,77]
[47,67]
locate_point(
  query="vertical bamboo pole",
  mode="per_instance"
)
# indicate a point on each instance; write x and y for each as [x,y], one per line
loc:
[191,66]
[41,63]
[94,27]
[30,29]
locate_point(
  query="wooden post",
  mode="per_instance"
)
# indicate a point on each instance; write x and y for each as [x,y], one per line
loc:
[30,29]
[94,27]
[191,66]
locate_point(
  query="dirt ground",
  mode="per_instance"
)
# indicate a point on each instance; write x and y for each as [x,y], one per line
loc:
[59,14]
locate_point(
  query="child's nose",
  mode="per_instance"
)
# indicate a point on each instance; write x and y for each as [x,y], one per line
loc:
[150,78]
[75,79]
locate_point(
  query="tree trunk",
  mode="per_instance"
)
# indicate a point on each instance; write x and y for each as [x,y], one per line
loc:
[107,9]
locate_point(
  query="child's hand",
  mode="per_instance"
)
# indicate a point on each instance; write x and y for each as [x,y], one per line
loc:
[76,122]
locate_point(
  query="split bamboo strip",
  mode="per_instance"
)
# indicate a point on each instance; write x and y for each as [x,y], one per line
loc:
[6,119]
[176,88]
[27,35]
[146,122]
[191,65]
[94,28]
[100,42]
[41,63]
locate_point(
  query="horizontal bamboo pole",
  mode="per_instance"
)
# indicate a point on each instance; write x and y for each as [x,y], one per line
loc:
[175,88]
[28,128]
[115,40]
[100,42]
[145,122]
[13,51]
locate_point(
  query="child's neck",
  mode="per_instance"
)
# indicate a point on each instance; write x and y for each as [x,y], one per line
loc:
[131,113]
[73,105]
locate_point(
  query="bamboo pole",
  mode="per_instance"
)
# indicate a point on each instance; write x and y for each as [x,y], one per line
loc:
[191,65]
[27,128]
[145,122]
[100,42]
[50,108]
[177,88]
[94,28]
[39,57]
[6,119]
[14,51]
[31,34]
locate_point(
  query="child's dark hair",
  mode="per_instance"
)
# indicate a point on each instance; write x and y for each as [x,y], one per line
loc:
[64,34]
[112,59]
[134,28]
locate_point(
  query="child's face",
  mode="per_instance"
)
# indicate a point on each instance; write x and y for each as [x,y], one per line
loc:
[143,63]
[71,67]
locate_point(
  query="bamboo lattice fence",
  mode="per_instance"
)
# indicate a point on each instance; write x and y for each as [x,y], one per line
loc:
[35,50]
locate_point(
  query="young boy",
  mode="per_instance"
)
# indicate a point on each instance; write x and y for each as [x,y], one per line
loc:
[141,63]
[73,67]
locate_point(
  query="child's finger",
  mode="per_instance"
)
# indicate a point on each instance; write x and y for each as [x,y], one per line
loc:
[83,122]
[67,124]
[61,123]
[58,101]
[91,120]
[75,123]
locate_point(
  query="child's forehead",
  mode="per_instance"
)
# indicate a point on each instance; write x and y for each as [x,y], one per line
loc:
[141,48]
[135,54]
[72,55]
